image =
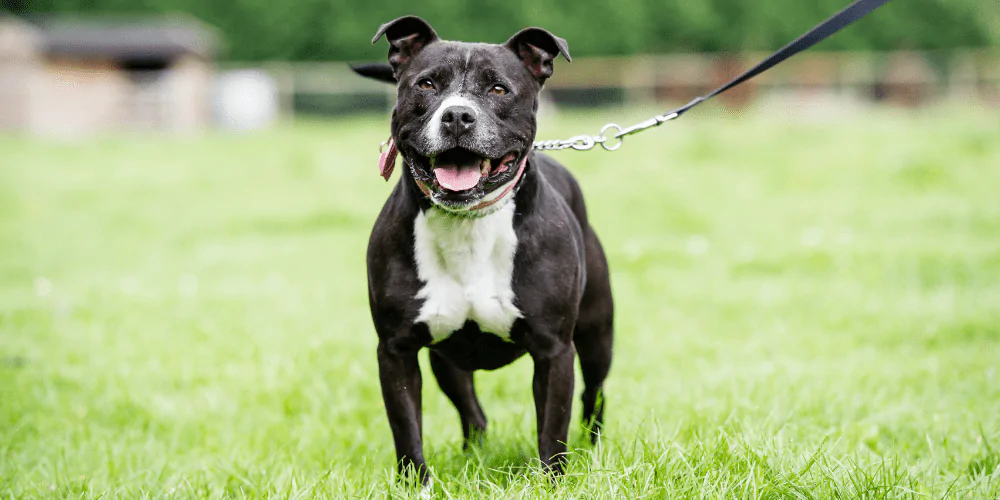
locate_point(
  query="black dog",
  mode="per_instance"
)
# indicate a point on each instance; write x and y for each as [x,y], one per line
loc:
[482,251]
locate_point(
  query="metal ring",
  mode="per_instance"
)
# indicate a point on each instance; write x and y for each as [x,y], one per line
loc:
[618,130]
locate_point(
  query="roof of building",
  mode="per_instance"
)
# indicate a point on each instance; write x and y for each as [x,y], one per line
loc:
[165,37]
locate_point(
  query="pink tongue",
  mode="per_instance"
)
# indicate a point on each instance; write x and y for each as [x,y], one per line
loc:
[457,177]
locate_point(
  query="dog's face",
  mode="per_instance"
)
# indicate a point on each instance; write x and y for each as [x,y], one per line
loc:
[465,112]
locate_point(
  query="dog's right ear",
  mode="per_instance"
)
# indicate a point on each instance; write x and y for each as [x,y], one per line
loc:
[376,71]
[407,36]
[537,49]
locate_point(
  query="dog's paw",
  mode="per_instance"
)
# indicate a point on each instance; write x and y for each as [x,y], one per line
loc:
[425,490]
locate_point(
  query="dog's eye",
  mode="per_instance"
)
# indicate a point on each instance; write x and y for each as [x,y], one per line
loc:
[426,84]
[499,89]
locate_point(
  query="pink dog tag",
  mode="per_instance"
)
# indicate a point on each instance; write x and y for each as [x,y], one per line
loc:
[387,159]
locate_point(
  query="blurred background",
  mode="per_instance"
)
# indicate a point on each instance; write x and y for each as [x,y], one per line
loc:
[806,270]
[77,66]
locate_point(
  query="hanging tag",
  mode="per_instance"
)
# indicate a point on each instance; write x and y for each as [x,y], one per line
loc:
[387,158]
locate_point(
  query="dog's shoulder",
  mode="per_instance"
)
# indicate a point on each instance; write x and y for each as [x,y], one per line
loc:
[394,220]
[390,250]
[565,185]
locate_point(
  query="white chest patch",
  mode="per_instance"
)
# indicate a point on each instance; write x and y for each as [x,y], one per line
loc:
[466,266]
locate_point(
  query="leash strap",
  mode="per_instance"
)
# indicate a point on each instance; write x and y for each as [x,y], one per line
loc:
[822,31]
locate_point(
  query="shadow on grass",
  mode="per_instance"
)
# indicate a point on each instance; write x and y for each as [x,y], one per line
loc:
[502,463]
[497,461]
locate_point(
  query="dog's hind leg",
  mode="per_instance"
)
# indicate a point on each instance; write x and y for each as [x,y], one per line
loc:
[457,384]
[593,336]
[593,344]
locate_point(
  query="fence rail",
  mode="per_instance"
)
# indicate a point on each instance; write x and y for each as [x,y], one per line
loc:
[906,78]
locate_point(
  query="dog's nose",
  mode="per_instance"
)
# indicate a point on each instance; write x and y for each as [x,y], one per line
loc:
[457,120]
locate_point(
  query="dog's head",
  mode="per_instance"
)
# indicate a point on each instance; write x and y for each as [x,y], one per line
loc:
[464,119]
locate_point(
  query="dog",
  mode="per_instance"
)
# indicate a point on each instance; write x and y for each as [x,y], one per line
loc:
[483,251]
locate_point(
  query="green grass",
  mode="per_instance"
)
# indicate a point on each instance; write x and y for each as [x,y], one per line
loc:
[805,308]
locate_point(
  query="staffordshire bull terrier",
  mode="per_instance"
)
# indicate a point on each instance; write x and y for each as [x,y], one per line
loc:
[482,252]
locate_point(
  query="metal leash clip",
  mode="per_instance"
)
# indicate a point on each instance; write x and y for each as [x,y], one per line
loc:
[585,142]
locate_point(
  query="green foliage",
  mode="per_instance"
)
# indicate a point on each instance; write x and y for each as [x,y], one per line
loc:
[806,308]
[341,29]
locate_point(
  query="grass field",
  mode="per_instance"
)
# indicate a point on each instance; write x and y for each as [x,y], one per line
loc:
[805,308]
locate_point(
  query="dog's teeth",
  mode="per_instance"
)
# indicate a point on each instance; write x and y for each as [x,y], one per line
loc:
[485,170]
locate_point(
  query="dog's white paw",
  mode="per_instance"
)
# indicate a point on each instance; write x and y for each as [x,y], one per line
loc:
[425,490]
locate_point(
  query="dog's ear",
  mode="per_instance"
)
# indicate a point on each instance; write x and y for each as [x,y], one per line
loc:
[407,36]
[376,71]
[537,49]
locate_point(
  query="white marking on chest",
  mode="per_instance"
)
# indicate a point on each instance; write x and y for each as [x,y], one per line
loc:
[466,266]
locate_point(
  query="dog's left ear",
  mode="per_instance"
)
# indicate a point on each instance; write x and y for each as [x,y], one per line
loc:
[537,49]
[407,36]
[376,71]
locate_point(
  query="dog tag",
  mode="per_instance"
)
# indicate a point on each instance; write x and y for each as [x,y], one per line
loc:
[387,159]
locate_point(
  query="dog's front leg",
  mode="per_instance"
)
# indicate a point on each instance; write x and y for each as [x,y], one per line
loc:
[553,391]
[399,374]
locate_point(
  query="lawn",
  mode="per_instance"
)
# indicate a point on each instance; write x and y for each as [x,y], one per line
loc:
[808,305]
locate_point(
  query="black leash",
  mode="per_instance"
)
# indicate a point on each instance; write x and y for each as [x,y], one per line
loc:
[822,31]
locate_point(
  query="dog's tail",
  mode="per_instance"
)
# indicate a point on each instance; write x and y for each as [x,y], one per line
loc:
[376,71]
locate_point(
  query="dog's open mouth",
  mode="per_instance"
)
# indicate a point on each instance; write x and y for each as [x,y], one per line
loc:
[459,169]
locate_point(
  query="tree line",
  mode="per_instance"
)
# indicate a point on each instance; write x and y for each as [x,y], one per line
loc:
[342,29]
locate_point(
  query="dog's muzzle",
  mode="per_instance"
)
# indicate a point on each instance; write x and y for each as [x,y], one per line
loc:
[451,177]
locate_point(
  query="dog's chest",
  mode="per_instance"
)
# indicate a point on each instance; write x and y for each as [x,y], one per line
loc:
[466,266]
